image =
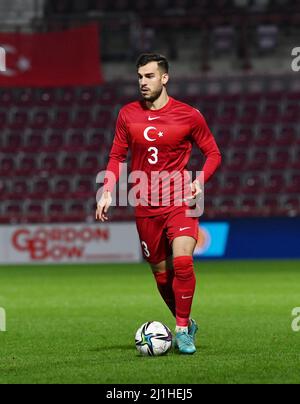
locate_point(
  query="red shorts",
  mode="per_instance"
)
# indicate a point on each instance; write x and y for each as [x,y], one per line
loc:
[157,233]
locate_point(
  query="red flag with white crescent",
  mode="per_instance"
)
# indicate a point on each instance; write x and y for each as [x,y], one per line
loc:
[70,57]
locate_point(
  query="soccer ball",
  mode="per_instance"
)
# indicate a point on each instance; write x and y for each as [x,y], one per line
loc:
[153,339]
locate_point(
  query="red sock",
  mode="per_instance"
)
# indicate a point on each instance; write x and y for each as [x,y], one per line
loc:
[164,282]
[184,288]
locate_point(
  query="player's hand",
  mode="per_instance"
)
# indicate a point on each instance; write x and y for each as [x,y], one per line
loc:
[103,206]
[196,189]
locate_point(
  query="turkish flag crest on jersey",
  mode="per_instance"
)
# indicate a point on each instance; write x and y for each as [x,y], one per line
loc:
[70,57]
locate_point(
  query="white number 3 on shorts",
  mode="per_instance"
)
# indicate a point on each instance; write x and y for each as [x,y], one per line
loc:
[145,248]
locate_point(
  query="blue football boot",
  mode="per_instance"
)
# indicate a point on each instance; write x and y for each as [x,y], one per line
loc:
[185,343]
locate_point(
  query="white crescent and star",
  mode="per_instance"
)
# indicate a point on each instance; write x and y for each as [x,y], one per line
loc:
[23,64]
[146,133]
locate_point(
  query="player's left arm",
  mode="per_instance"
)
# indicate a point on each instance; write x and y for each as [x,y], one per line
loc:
[205,140]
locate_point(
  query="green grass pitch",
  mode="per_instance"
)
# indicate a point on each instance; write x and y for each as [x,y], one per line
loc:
[76,324]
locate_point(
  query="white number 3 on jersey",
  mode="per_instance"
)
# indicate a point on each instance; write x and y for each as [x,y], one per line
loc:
[154,155]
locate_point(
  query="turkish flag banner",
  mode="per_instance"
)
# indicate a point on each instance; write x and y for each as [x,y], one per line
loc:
[66,58]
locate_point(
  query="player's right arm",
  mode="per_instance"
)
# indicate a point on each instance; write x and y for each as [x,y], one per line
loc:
[117,156]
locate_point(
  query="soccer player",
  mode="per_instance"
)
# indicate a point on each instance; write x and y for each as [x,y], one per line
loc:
[160,131]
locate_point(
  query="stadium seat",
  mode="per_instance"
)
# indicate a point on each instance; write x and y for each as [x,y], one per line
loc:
[264,137]
[40,120]
[253,184]
[231,185]
[26,99]
[275,184]
[62,119]
[86,97]
[61,188]
[82,119]
[286,136]
[7,166]
[40,189]
[6,99]
[55,141]
[34,143]
[19,121]
[14,141]
[48,163]
[281,159]
[259,160]
[46,98]
[237,160]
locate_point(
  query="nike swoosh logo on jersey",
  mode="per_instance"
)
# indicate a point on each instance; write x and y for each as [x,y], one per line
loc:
[153,118]
[184,228]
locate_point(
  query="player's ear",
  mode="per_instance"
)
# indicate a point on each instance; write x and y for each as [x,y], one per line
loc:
[165,78]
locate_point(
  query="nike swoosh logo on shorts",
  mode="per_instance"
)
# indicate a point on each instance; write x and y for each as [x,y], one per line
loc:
[186,297]
[184,228]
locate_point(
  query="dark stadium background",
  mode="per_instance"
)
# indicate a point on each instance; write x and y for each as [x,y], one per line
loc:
[234,60]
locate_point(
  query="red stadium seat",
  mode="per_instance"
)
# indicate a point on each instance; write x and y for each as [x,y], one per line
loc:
[238,160]
[253,184]
[270,114]
[49,164]
[62,120]
[102,119]
[55,141]
[40,120]
[291,114]
[258,160]
[90,165]
[243,138]
[275,184]
[231,185]
[34,211]
[264,137]
[27,166]
[14,142]
[25,99]
[286,136]
[34,143]
[46,98]
[293,186]
[7,166]
[249,115]
[82,119]
[3,120]
[6,99]
[86,97]
[69,164]
[19,121]
[281,159]
[66,98]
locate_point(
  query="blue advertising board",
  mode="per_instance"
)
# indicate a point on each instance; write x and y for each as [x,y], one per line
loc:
[249,238]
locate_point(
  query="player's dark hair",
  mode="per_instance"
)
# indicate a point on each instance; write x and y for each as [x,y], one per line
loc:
[146,58]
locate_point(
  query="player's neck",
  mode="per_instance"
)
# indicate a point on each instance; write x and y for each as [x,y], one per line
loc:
[161,102]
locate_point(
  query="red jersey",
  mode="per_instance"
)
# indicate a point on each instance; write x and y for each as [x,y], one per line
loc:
[161,142]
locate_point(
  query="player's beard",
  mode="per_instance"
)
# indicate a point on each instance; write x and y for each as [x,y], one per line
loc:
[153,96]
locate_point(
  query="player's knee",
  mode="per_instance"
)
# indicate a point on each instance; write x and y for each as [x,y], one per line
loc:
[160,267]
[184,267]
